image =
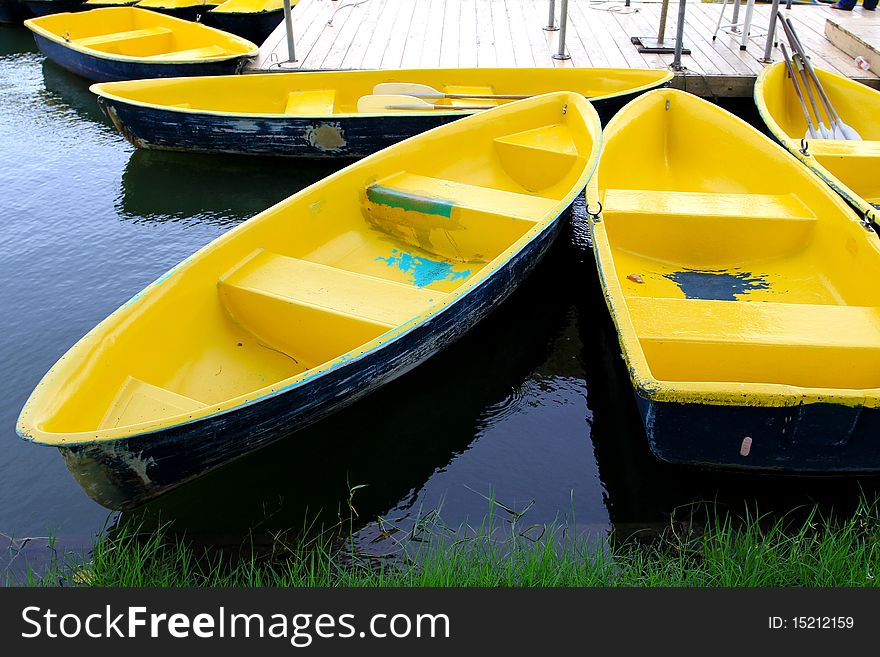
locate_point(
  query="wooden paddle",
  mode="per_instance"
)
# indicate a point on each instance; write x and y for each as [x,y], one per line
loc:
[383,102]
[424,91]
[841,129]
[812,132]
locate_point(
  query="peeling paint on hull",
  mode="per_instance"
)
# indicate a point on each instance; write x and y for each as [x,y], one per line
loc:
[111,70]
[125,473]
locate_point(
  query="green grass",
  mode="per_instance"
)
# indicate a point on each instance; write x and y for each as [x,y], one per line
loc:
[726,551]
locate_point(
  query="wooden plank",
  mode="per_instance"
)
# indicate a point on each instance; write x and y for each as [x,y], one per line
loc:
[855,42]
[451,33]
[398,37]
[354,58]
[434,35]
[377,43]
[504,54]
[415,36]
[467,35]
[522,49]
[329,34]
[350,25]
[486,55]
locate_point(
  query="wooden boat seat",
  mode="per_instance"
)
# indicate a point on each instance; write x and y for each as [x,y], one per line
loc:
[451,219]
[798,344]
[538,158]
[193,53]
[318,102]
[138,401]
[699,229]
[130,35]
[314,312]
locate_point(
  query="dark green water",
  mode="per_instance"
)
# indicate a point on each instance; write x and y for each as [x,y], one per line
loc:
[534,405]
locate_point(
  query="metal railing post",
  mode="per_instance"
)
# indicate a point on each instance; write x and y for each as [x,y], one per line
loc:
[771,35]
[288,25]
[679,36]
[563,23]
[551,20]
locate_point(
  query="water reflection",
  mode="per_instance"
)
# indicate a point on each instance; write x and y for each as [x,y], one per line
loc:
[161,186]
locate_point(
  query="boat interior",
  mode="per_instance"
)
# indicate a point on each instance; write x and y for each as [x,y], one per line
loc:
[320,275]
[327,93]
[854,163]
[133,32]
[735,263]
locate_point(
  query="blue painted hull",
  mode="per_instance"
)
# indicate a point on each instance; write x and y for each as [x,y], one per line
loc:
[255,27]
[184,13]
[809,439]
[46,7]
[100,69]
[284,136]
[125,473]
[13,12]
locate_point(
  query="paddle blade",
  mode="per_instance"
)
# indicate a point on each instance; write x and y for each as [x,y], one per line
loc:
[407,89]
[387,102]
[849,132]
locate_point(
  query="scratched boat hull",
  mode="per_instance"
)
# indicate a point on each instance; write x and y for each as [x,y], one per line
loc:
[848,167]
[315,302]
[256,26]
[136,111]
[749,332]
[93,64]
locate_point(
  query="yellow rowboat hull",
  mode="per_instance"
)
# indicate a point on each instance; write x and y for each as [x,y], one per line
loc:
[315,302]
[314,115]
[122,43]
[744,294]
[254,20]
[850,167]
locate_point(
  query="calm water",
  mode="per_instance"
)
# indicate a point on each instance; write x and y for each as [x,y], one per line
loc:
[533,406]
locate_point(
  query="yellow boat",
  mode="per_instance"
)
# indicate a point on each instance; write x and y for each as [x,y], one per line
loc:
[850,166]
[254,20]
[123,43]
[744,293]
[189,10]
[315,302]
[317,115]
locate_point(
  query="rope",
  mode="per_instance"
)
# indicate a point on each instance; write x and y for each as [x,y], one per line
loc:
[341,7]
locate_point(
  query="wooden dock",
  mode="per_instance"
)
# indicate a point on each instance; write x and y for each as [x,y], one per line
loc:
[367,34]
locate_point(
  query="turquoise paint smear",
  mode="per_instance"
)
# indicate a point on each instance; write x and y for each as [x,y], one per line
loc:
[424,271]
[394,198]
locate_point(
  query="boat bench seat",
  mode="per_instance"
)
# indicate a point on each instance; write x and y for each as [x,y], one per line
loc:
[707,204]
[318,102]
[312,311]
[698,229]
[451,219]
[130,35]
[538,158]
[193,53]
[798,344]
[138,401]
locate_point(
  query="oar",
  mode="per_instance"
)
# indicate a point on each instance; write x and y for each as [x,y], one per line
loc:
[797,61]
[811,129]
[841,129]
[382,102]
[424,91]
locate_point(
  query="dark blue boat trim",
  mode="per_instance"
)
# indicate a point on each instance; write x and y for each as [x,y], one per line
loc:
[255,27]
[111,70]
[285,136]
[125,473]
[808,438]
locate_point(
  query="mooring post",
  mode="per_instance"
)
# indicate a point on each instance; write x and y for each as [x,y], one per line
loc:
[679,36]
[771,34]
[551,21]
[563,23]
[288,25]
